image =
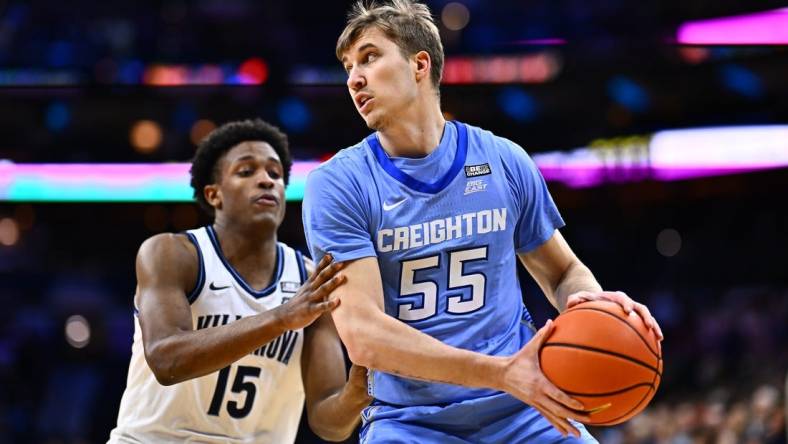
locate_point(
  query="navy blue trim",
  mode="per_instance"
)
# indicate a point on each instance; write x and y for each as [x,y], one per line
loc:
[192,296]
[410,182]
[257,294]
[301,266]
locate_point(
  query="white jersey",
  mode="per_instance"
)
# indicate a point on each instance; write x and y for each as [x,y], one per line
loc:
[257,399]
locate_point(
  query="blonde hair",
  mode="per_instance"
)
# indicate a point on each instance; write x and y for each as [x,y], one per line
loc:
[407,23]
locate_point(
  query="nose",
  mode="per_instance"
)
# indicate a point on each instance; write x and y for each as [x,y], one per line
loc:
[355,79]
[264,180]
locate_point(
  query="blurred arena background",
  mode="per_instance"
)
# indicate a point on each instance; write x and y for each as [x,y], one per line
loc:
[663,135]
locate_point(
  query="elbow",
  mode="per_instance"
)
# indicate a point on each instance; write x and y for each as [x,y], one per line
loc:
[361,333]
[328,429]
[361,352]
[165,379]
[162,365]
[331,434]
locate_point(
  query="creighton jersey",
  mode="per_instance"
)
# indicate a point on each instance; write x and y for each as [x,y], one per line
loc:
[445,229]
[258,398]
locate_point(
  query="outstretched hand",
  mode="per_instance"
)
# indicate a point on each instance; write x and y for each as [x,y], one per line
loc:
[314,296]
[523,378]
[621,299]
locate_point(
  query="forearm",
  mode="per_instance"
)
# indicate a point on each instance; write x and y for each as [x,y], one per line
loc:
[335,417]
[577,277]
[189,354]
[378,341]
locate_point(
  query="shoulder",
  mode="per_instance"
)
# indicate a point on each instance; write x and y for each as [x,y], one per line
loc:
[343,179]
[347,159]
[516,164]
[169,246]
[168,253]
[490,141]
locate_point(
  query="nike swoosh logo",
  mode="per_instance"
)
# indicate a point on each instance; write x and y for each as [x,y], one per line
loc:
[387,207]
[214,287]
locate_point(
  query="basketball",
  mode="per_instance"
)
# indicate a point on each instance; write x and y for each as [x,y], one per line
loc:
[604,358]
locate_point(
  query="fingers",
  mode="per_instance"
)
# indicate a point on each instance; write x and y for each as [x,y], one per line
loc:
[578,298]
[327,305]
[324,262]
[557,403]
[562,424]
[327,287]
[658,330]
[326,273]
[556,394]
[542,334]
[621,299]
[648,319]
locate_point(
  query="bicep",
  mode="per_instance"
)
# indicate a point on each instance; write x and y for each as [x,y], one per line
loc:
[361,298]
[165,268]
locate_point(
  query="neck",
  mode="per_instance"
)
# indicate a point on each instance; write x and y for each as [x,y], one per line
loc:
[418,131]
[245,243]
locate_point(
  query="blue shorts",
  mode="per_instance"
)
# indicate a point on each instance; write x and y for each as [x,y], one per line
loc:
[500,418]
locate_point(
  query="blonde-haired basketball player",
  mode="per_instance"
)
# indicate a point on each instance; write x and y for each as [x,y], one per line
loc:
[230,337]
[432,217]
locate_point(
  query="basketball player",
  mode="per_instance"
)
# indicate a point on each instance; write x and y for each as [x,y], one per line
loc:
[222,335]
[430,218]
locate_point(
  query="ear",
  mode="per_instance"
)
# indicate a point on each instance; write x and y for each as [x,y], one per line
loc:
[423,65]
[213,195]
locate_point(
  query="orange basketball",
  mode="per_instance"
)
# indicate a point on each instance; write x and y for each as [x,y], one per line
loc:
[604,358]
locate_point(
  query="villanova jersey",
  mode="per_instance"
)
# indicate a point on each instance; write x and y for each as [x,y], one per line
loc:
[446,230]
[257,399]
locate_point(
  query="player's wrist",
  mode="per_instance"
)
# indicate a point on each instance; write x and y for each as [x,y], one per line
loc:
[493,372]
[280,316]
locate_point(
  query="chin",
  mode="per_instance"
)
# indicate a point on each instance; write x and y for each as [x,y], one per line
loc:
[374,122]
[267,216]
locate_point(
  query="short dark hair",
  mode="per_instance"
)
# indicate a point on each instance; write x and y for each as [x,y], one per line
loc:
[204,169]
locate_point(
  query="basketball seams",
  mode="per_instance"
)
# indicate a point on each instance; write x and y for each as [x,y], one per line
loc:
[605,352]
[580,308]
[618,419]
[651,391]
[615,392]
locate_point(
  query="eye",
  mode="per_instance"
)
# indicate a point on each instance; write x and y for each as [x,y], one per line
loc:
[245,171]
[370,57]
[274,174]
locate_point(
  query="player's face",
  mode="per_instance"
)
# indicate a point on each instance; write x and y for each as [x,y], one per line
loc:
[252,186]
[381,81]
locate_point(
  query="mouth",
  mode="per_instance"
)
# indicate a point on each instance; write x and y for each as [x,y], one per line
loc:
[363,103]
[266,200]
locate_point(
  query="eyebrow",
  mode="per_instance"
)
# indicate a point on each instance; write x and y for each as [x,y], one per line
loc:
[360,49]
[367,45]
[248,157]
[244,158]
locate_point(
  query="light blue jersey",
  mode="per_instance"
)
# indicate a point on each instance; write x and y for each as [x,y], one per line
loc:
[445,229]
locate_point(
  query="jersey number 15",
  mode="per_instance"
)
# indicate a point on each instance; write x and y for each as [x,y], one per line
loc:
[240,385]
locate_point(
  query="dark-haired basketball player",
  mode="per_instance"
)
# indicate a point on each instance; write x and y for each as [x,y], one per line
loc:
[231,331]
